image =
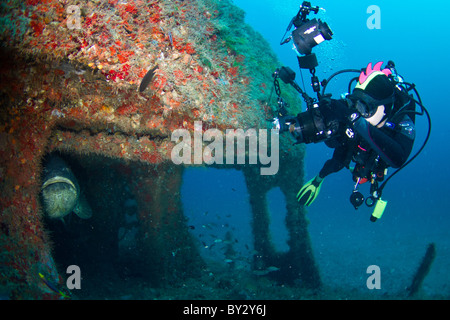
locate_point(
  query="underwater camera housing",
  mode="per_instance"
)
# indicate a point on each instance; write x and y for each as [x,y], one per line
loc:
[307,34]
[308,126]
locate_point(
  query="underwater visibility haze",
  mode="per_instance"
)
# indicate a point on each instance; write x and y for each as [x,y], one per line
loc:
[101,200]
[417,196]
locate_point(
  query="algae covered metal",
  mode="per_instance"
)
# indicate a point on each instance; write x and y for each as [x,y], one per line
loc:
[81,82]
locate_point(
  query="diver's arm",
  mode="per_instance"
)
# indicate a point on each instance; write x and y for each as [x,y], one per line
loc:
[393,150]
[336,163]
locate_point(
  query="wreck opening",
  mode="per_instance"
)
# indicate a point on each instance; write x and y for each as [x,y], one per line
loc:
[59,96]
[216,205]
[130,236]
[106,243]
[276,202]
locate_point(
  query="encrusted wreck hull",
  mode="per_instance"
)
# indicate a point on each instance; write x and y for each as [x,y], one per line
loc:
[76,92]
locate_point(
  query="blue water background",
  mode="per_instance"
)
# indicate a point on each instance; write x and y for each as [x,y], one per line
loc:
[345,243]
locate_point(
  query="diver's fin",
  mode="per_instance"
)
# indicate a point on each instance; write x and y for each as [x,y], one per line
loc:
[309,192]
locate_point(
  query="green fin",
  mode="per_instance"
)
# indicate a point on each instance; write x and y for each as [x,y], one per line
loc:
[309,192]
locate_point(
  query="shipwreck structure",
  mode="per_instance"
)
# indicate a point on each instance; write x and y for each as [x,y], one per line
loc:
[103,84]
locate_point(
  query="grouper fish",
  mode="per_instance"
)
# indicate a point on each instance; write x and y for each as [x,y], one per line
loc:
[61,192]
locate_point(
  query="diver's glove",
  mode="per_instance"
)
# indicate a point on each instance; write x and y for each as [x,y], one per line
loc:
[309,192]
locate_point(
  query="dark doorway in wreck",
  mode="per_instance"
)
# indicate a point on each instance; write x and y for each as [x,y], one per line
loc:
[108,246]
[154,225]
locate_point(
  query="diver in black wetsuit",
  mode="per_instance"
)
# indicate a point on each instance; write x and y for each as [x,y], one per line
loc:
[371,129]
[373,133]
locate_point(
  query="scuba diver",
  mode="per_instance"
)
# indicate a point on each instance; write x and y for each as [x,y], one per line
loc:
[374,136]
[371,128]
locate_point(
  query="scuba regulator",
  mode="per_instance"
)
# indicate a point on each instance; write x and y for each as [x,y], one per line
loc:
[311,126]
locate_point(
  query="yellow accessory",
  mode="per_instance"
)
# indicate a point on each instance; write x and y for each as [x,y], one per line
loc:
[379,210]
[308,193]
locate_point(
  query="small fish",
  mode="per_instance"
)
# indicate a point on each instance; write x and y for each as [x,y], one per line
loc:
[228,261]
[218,240]
[127,30]
[147,79]
[207,226]
[272,269]
[260,272]
[266,271]
[171,39]
[53,287]
[192,227]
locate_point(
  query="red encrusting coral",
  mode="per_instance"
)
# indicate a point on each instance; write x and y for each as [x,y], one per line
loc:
[76,91]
